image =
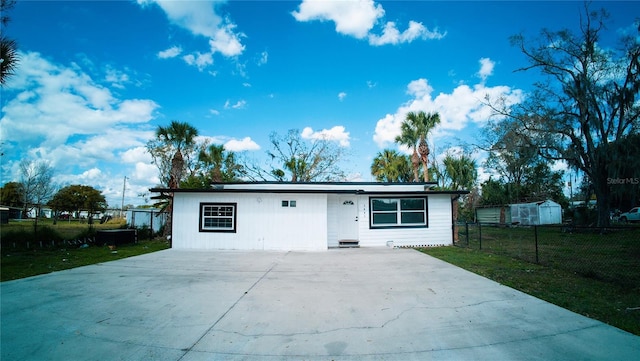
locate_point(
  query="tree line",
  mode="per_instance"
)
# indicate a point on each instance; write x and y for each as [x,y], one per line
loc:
[583,113]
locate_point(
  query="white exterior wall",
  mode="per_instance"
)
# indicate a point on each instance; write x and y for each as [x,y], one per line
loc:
[261,222]
[437,233]
[316,223]
[332,221]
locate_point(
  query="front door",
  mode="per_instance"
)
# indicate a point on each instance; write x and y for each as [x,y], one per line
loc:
[348,218]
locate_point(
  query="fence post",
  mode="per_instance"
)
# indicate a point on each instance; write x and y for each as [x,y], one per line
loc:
[535,232]
[480,234]
[466,226]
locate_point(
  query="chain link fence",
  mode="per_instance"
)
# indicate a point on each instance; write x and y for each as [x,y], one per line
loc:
[609,254]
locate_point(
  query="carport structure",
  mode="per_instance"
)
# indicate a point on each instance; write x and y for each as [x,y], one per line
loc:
[343,304]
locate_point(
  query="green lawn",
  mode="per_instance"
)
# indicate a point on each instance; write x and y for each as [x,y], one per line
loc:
[18,261]
[605,301]
[26,263]
[612,255]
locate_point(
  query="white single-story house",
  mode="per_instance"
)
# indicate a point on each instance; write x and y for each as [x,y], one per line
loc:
[311,216]
[534,213]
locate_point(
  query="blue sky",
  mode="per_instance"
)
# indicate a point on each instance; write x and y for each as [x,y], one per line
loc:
[96,78]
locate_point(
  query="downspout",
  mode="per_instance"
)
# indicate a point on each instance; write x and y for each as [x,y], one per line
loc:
[454,219]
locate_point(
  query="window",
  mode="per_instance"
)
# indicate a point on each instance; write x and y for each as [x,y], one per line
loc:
[217,217]
[398,212]
[290,203]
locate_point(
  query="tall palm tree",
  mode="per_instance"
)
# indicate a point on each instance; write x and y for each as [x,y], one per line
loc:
[425,122]
[391,166]
[409,136]
[177,135]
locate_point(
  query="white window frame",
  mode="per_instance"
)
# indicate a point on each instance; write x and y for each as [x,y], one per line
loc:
[223,210]
[398,212]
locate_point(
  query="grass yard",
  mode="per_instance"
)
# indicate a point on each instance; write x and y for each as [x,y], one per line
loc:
[21,264]
[608,302]
[611,256]
[16,261]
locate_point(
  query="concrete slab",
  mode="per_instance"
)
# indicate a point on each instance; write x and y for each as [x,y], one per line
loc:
[346,304]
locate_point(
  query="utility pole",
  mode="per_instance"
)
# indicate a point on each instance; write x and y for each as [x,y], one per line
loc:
[124,187]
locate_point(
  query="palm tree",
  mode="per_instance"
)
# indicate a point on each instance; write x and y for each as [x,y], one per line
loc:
[220,165]
[425,123]
[177,136]
[409,136]
[391,166]
[459,172]
[8,47]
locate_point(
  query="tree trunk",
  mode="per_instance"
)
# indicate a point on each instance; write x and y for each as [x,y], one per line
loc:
[415,162]
[425,168]
[601,189]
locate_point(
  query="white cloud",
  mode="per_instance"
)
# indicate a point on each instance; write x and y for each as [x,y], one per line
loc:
[240,104]
[235,145]
[486,68]
[60,114]
[354,18]
[201,19]
[456,109]
[91,174]
[336,134]
[226,41]
[172,52]
[342,95]
[54,102]
[391,35]
[146,172]
[357,18]
[264,58]
[199,60]
[136,155]
[116,77]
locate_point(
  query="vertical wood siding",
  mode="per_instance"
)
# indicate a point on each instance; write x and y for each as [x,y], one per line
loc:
[438,233]
[261,222]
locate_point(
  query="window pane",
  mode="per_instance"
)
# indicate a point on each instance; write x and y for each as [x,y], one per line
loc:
[384,204]
[292,203]
[285,203]
[385,218]
[413,204]
[218,217]
[412,218]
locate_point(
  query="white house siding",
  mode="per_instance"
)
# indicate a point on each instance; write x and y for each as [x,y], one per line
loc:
[332,221]
[261,222]
[437,233]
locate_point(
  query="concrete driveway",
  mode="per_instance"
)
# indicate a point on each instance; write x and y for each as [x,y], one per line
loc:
[348,304]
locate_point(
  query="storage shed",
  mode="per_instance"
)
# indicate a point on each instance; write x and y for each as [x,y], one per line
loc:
[311,216]
[547,212]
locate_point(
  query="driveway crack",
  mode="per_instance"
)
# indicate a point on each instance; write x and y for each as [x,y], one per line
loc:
[188,349]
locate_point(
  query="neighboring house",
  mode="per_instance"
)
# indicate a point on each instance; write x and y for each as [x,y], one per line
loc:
[151,218]
[535,213]
[311,216]
[44,212]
